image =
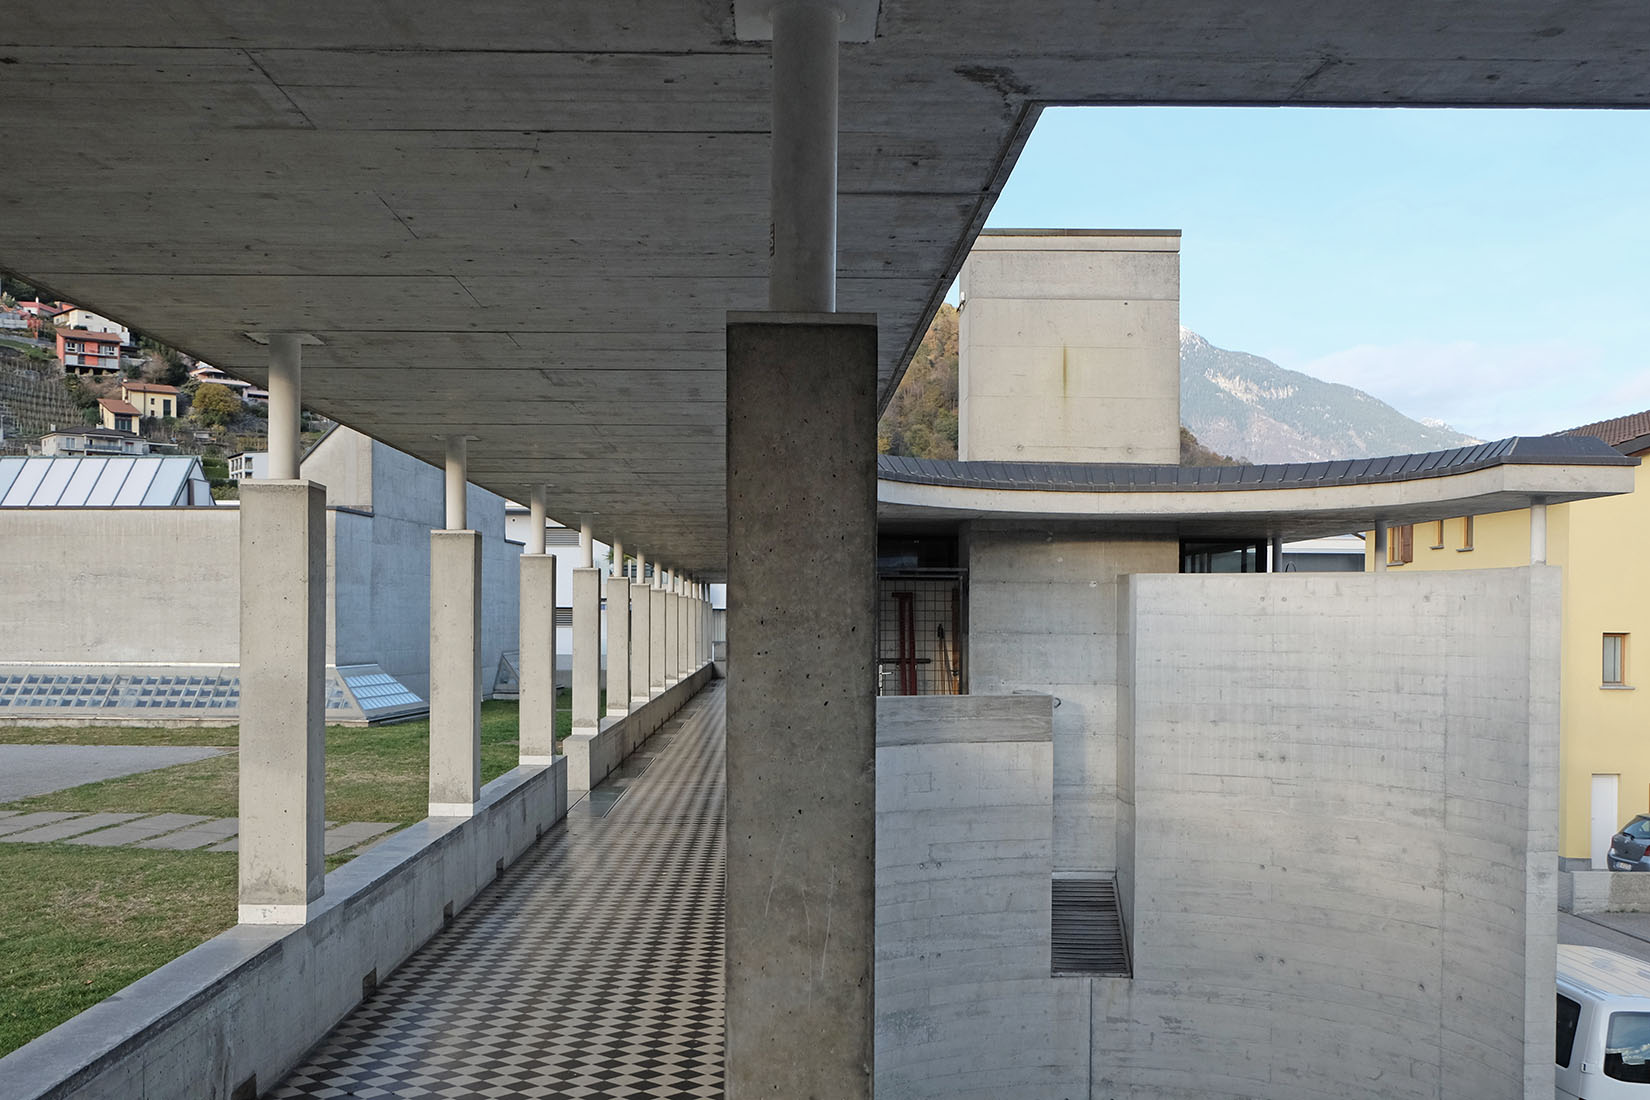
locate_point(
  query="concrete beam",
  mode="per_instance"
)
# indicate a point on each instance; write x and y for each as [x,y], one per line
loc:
[283,700]
[801,717]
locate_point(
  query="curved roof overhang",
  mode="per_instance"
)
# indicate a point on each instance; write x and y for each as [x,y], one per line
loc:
[1293,501]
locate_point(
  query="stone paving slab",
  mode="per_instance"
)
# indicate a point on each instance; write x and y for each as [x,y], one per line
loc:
[209,831]
[29,821]
[351,833]
[138,830]
[27,770]
[62,830]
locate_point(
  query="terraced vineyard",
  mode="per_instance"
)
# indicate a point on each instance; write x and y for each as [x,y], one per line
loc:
[32,399]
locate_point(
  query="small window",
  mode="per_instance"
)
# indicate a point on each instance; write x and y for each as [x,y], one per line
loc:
[1615,660]
[1400,544]
[1569,1015]
[1466,532]
[1627,1047]
[1438,536]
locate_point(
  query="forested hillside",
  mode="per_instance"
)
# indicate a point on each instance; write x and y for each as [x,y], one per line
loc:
[921,420]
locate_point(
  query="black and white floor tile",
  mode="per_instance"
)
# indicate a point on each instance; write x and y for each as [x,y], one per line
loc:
[591,970]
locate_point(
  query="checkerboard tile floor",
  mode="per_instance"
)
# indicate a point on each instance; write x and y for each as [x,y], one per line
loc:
[591,970]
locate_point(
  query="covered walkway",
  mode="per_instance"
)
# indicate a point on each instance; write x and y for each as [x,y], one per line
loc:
[591,969]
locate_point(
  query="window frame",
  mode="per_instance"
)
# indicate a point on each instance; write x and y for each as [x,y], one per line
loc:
[1620,660]
[1466,535]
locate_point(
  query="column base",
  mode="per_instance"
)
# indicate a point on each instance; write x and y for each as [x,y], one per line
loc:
[535,761]
[452,809]
[276,914]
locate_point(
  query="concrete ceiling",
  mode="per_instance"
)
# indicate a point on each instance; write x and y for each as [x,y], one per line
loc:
[527,221]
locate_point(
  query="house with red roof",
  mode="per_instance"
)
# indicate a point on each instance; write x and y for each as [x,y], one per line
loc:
[87,353]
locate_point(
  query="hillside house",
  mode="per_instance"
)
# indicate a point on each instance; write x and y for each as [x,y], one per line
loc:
[92,441]
[151,399]
[120,415]
[76,318]
[87,353]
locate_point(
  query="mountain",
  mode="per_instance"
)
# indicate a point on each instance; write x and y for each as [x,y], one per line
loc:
[1241,404]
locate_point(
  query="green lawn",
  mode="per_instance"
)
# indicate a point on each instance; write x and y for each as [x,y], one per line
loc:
[77,923]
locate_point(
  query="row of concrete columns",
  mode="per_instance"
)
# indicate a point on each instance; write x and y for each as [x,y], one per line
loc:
[657,636]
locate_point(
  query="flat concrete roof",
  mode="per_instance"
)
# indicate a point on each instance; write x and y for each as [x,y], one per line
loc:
[529,221]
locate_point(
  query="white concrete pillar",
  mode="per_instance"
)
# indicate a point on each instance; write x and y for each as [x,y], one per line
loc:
[587,645]
[458,479]
[587,546]
[641,635]
[618,644]
[538,655]
[285,405]
[618,558]
[1538,532]
[455,672]
[803,177]
[1380,546]
[673,632]
[282,758]
[683,662]
[535,521]
[656,647]
[801,718]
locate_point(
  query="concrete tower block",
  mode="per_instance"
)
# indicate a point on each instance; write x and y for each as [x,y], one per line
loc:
[283,699]
[1070,347]
[455,672]
[538,658]
[801,717]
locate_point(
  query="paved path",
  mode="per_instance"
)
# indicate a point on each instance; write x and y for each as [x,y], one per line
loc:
[172,832]
[591,970]
[27,770]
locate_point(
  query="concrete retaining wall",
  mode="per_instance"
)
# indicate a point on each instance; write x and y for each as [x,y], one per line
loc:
[592,757]
[1042,617]
[1604,891]
[1345,831]
[965,1007]
[242,1008]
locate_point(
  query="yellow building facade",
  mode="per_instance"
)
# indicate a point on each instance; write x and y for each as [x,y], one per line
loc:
[1604,750]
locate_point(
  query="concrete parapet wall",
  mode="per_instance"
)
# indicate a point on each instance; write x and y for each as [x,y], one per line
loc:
[1345,838]
[1603,892]
[965,1006]
[248,1004]
[592,757]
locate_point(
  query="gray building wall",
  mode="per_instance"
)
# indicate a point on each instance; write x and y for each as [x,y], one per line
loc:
[1042,617]
[1341,855]
[1069,347]
[81,584]
[161,585]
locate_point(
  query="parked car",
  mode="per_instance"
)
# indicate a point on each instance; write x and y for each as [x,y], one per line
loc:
[1628,847]
[1603,1050]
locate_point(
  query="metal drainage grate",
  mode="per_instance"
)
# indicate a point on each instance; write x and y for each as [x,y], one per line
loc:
[1088,928]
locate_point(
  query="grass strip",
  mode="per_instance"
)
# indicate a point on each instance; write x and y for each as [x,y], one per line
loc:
[77,924]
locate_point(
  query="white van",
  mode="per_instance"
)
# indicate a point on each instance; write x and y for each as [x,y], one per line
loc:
[1603,1025]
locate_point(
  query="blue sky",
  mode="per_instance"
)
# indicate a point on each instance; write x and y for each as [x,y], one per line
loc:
[1486,268]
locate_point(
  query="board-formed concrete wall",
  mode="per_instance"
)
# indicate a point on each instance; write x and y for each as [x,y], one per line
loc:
[1346,838]
[1069,347]
[1042,617]
[965,1007]
[110,585]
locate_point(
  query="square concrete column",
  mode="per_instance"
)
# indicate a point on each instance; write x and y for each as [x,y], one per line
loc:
[684,653]
[283,699]
[587,649]
[673,638]
[455,672]
[618,647]
[656,659]
[641,643]
[538,658]
[801,739]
